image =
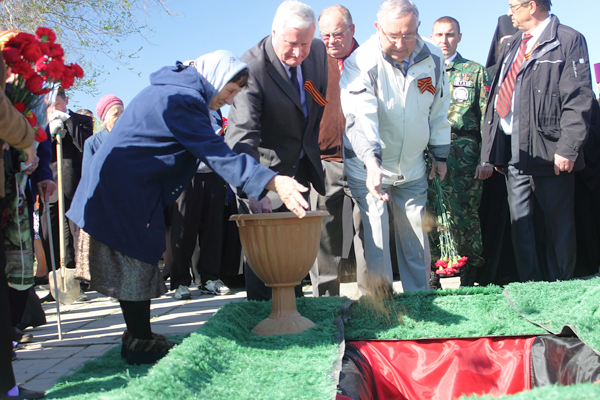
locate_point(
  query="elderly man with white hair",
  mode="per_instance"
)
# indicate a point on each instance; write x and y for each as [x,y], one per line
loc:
[395,98]
[276,119]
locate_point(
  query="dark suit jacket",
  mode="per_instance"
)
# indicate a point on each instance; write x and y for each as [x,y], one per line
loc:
[267,121]
[78,128]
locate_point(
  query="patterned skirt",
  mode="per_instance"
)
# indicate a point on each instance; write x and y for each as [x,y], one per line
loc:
[114,274]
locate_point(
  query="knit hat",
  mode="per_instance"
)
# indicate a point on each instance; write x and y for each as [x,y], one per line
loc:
[105,103]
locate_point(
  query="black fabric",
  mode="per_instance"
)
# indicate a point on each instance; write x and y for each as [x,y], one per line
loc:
[7,377]
[504,27]
[255,288]
[232,265]
[294,79]
[137,318]
[18,302]
[71,233]
[34,313]
[500,267]
[356,377]
[587,228]
[563,361]
[545,251]
[591,151]
[78,128]
[198,215]
[587,198]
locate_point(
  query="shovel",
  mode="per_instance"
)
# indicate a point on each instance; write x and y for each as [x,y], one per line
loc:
[63,285]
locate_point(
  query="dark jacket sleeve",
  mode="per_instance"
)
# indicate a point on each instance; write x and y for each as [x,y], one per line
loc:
[79,127]
[244,127]
[577,96]
[43,171]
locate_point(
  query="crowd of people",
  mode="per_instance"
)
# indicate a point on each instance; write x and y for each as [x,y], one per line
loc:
[367,127]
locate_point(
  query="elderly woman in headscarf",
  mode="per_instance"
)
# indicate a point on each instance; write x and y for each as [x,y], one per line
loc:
[109,109]
[143,165]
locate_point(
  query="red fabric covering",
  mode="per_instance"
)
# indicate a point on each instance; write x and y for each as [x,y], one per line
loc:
[445,369]
[340,396]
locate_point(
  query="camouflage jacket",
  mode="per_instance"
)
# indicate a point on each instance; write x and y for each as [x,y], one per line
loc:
[469,87]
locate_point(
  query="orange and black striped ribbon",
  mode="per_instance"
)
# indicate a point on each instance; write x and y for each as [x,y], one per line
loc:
[425,84]
[316,95]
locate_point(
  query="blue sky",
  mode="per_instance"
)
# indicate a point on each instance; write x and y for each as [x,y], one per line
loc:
[237,25]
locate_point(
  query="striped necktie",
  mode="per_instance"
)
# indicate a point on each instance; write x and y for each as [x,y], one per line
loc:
[503,106]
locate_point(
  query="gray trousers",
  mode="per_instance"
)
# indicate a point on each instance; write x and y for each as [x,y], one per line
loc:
[412,244]
[550,254]
[339,231]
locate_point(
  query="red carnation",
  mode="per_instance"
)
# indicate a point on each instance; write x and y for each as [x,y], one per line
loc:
[32,52]
[34,84]
[68,78]
[45,48]
[40,134]
[55,69]
[20,107]
[45,35]
[20,40]
[77,70]
[11,55]
[55,50]
[22,68]
[40,64]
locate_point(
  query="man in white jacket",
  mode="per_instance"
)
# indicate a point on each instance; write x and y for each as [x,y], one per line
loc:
[395,98]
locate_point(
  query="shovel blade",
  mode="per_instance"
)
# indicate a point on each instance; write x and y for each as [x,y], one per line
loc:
[66,290]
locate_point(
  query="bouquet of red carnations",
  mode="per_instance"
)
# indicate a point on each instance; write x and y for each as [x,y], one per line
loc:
[35,66]
[450,262]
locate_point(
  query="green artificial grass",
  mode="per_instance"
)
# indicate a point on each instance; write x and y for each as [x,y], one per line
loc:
[224,360]
[584,391]
[575,304]
[464,312]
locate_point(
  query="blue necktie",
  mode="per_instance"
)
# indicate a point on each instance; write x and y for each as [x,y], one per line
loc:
[295,83]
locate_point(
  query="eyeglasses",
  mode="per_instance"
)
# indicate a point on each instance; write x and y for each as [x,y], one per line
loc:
[336,36]
[517,6]
[395,39]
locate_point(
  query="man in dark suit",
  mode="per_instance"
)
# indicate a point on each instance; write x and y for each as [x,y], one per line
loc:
[276,119]
[77,129]
[537,122]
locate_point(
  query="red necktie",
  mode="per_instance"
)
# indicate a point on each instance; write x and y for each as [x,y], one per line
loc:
[341,64]
[507,88]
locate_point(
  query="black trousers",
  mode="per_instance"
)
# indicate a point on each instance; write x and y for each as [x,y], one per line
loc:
[587,225]
[553,256]
[339,232]
[255,288]
[7,377]
[499,268]
[197,216]
[71,232]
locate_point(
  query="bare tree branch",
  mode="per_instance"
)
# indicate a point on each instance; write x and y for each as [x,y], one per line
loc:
[86,28]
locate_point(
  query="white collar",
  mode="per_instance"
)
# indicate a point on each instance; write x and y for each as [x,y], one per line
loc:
[536,33]
[449,60]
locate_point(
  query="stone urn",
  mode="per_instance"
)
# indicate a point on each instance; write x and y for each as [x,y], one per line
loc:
[281,248]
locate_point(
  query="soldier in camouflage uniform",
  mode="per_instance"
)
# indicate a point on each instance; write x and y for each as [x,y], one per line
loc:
[463,185]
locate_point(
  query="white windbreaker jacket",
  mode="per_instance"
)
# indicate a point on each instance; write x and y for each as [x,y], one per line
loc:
[393,117]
